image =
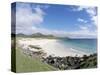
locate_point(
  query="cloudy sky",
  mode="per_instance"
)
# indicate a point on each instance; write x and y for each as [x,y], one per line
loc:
[60,20]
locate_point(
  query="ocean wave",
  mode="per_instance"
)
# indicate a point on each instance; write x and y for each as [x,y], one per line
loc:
[77,51]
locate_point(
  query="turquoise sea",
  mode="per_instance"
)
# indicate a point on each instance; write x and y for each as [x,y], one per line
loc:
[85,45]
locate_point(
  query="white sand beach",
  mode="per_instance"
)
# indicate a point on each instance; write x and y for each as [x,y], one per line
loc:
[50,46]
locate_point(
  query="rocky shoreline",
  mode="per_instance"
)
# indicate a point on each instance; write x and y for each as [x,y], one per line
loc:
[69,62]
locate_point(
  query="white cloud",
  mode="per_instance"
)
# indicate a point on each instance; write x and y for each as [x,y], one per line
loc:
[79,8]
[39,11]
[46,6]
[27,20]
[93,16]
[84,28]
[81,20]
[94,20]
[84,33]
[91,11]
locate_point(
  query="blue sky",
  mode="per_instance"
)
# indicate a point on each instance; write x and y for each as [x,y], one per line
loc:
[59,20]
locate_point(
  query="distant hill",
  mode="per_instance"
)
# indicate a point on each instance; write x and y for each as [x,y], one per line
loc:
[36,35]
[42,35]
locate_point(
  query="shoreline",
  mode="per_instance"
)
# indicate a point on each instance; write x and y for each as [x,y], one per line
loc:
[50,47]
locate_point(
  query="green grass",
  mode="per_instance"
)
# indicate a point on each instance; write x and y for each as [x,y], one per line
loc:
[25,63]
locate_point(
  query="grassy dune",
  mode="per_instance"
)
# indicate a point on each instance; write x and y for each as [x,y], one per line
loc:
[25,63]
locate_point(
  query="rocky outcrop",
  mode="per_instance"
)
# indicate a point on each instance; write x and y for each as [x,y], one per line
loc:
[64,63]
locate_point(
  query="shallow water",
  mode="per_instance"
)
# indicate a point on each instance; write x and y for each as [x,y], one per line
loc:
[85,45]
